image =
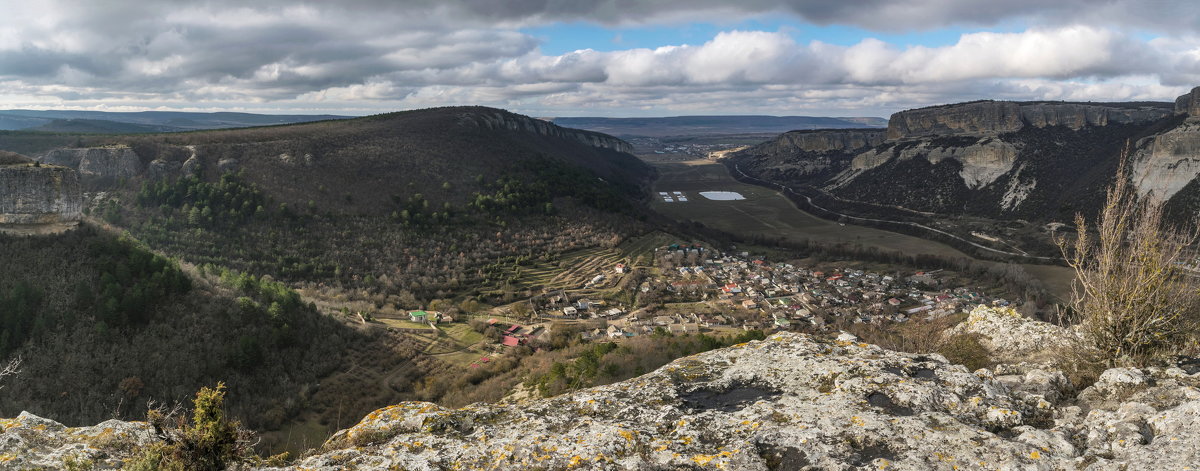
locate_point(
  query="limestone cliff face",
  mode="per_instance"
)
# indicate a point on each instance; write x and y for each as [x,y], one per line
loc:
[1189,103]
[976,118]
[807,153]
[790,402]
[826,140]
[502,120]
[115,162]
[1166,162]
[1077,115]
[39,195]
[986,118]
[982,161]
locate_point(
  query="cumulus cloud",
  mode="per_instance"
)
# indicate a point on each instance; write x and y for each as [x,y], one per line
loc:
[375,55]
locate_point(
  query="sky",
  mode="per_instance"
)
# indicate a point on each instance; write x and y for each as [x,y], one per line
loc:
[615,58]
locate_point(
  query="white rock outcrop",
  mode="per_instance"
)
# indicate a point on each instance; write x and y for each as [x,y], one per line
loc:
[1166,162]
[790,402]
[1013,338]
[982,162]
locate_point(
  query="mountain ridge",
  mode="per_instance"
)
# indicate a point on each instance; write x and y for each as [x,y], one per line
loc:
[1039,162]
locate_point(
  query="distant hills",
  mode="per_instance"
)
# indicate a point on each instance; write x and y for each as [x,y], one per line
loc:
[77,121]
[707,125]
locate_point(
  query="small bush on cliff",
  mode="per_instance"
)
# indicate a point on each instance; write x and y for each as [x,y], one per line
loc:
[210,442]
[965,350]
[1133,300]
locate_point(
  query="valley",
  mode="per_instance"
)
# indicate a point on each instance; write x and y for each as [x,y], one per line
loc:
[766,214]
[460,256]
[497,259]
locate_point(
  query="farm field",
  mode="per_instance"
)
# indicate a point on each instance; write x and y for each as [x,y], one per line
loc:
[573,270]
[768,213]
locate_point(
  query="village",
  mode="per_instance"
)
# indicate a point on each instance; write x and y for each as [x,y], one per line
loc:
[691,289]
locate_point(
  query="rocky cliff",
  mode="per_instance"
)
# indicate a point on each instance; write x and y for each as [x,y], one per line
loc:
[983,118]
[1038,161]
[975,118]
[982,161]
[1188,103]
[38,195]
[825,140]
[499,119]
[1164,163]
[809,153]
[790,402]
[114,162]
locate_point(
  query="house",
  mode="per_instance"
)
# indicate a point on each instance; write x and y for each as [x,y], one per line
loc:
[663,320]
[894,301]
[510,341]
[918,309]
[570,311]
[749,304]
[614,332]
[620,268]
[418,316]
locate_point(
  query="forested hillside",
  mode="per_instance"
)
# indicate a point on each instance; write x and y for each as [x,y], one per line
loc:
[104,325]
[412,205]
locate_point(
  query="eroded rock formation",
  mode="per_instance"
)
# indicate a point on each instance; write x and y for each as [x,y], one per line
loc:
[33,195]
[826,140]
[986,118]
[114,162]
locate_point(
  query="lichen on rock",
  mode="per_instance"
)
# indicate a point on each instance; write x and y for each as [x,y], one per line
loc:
[791,401]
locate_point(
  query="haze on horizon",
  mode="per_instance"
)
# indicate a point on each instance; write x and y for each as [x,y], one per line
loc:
[590,58]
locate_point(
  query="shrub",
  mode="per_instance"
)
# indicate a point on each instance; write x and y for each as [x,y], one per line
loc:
[965,350]
[209,442]
[1133,301]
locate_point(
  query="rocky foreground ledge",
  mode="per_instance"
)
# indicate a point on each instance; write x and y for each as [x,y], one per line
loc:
[789,402]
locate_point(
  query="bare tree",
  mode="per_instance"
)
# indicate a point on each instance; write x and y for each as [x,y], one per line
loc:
[12,368]
[1133,300]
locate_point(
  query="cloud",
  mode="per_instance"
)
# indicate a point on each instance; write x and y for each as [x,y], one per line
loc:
[380,55]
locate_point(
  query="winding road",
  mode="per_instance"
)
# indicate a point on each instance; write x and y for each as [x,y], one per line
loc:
[789,189]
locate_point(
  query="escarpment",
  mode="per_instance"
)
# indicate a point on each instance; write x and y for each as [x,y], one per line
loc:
[983,118]
[37,195]
[1041,161]
[102,162]
[825,140]
[499,119]
[809,153]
